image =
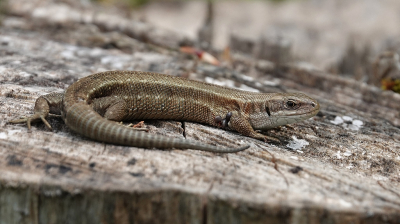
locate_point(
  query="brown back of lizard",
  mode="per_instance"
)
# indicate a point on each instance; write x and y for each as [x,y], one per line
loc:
[129,95]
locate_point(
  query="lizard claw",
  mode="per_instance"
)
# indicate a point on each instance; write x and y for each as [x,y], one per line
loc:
[269,138]
[223,122]
[45,122]
[28,120]
[137,127]
[265,138]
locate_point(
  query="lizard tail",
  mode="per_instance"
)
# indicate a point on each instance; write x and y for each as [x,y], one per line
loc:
[82,119]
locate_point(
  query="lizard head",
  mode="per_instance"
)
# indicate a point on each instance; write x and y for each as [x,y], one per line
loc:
[291,107]
[282,109]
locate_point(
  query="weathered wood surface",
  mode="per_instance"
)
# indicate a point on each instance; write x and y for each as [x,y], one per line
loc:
[343,166]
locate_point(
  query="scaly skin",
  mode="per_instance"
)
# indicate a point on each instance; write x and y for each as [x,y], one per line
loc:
[91,106]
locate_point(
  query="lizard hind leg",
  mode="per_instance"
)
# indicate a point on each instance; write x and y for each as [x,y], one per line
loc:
[34,118]
[114,109]
[111,108]
[50,103]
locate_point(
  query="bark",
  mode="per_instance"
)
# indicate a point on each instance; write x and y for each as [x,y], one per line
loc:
[341,166]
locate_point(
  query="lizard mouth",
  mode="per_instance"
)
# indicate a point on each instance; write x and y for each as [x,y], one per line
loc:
[309,110]
[307,114]
[314,111]
[297,117]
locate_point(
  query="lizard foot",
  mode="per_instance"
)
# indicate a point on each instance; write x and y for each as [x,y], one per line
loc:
[138,127]
[265,138]
[34,118]
[223,122]
[269,138]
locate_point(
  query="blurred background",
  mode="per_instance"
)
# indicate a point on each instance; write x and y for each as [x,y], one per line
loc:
[358,38]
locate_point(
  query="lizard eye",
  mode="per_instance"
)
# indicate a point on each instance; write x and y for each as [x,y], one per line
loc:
[292,104]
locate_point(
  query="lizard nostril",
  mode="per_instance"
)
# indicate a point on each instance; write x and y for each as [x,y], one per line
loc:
[313,104]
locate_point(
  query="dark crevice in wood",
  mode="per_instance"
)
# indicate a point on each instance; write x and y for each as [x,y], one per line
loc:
[184,129]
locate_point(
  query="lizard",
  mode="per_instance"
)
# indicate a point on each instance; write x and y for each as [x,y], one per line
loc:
[93,105]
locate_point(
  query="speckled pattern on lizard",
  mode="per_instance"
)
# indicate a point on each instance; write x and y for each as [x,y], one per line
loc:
[92,106]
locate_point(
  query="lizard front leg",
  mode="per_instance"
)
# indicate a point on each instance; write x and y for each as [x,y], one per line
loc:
[242,125]
[223,122]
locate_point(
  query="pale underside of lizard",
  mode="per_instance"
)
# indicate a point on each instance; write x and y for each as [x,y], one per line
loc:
[92,106]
